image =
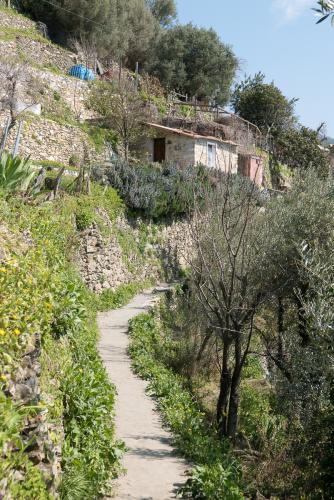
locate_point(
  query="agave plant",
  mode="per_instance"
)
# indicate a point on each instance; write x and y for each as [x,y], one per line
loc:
[16,173]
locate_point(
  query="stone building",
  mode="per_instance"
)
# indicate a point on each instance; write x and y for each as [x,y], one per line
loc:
[184,148]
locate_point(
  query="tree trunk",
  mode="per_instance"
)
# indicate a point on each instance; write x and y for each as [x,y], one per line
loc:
[126,150]
[302,319]
[280,327]
[232,423]
[224,392]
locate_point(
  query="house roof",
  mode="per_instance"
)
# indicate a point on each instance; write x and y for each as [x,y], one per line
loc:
[189,133]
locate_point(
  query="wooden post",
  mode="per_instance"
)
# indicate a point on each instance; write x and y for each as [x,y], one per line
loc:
[137,75]
[18,137]
[4,136]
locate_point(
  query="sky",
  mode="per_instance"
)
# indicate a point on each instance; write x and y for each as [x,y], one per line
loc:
[280,39]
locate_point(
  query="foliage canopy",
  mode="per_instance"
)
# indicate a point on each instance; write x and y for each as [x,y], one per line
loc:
[263,104]
[196,62]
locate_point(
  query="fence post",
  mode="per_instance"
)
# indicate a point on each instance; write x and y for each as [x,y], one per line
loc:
[4,136]
[17,141]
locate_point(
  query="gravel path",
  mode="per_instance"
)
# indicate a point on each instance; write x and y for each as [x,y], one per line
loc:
[153,469]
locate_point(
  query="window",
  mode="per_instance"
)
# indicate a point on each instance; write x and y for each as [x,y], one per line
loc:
[211,155]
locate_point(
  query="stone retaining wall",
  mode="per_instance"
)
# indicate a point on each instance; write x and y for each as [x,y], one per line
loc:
[102,263]
[14,20]
[44,139]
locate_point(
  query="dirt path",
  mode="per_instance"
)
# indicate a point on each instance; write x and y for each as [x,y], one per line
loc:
[153,469]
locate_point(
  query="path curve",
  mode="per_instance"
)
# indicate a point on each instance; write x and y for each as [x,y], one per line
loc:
[153,469]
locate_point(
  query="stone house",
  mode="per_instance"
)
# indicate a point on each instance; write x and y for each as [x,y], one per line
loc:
[184,148]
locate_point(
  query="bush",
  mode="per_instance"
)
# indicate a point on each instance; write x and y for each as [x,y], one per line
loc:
[215,468]
[84,216]
[155,191]
[86,206]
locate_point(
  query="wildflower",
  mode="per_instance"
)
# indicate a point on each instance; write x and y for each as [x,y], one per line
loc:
[17,332]
[2,332]
[3,270]
[49,306]
[14,317]
[3,378]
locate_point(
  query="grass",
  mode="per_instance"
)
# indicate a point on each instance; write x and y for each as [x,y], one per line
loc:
[98,136]
[110,299]
[9,33]
[216,474]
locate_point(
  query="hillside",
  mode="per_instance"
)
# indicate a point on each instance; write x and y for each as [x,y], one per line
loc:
[166,266]
[62,129]
[56,401]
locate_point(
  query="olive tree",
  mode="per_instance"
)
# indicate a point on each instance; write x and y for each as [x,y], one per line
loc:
[122,109]
[263,104]
[325,8]
[226,284]
[194,61]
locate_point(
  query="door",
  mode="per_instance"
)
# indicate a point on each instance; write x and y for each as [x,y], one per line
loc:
[211,155]
[159,153]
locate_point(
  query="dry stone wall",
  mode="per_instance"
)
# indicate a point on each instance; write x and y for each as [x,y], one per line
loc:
[21,40]
[42,438]
[43,139]
[9,20]
[104,264]
[73,91]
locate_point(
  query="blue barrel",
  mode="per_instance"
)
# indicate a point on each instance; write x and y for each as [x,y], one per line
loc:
[81,72]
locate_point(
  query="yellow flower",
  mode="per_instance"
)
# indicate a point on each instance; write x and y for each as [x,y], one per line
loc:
[49,305]
[3,270]
[14,316]
[3,378]
[17,331]
[2,332]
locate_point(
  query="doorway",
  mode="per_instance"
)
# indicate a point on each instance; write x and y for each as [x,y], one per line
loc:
[159,151]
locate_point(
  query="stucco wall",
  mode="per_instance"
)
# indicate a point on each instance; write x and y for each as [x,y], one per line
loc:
[252,167]
[226,155]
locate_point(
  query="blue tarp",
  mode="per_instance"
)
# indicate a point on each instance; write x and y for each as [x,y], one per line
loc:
[81,72]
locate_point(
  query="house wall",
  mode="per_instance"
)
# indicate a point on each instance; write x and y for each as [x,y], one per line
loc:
[256,170]
[226,155]
[185,151]
[252,167]
[179,150]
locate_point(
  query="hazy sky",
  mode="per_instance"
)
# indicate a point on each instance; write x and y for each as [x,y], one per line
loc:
[279,38]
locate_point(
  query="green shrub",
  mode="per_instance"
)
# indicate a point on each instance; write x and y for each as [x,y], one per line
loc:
[74,161]
[99,136]
[41,292]
[215,468]
[84,216]
[212,482]
[86,206]
[155,191]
